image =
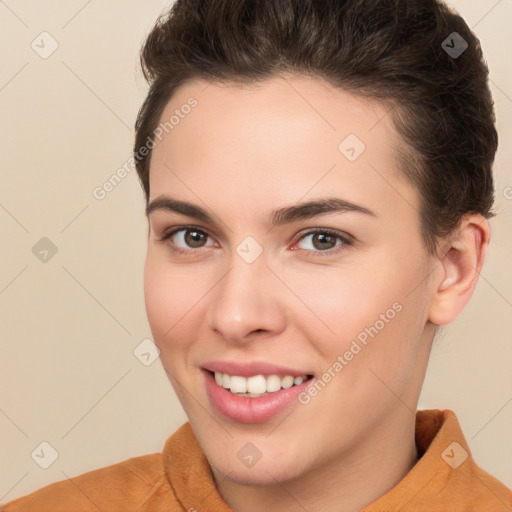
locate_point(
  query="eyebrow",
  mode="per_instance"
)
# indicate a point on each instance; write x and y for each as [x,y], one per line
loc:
[286,215]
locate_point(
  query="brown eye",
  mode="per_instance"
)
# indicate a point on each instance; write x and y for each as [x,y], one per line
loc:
[186,239]
[324,241]
[193,238]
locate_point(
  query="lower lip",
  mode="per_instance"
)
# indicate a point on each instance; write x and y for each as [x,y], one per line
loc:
[244,409]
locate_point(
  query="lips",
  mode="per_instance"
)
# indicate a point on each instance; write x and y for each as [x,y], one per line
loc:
[251,409]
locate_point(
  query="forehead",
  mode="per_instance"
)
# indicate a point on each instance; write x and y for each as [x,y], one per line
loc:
[292,133]
[298,103]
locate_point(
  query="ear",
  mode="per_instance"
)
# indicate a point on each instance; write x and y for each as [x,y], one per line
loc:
[460,262]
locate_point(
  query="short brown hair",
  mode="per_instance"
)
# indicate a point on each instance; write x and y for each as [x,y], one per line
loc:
[390,50]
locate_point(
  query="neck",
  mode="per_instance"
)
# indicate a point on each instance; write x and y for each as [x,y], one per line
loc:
[347,483]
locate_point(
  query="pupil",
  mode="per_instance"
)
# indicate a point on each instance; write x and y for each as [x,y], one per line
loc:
[323,236]
[195,235]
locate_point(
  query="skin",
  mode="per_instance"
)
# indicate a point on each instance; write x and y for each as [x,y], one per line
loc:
[241,153]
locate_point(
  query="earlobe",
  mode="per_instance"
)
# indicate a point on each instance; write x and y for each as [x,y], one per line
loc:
[460,266]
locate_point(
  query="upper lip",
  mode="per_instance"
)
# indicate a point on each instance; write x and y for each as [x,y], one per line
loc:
[251,368]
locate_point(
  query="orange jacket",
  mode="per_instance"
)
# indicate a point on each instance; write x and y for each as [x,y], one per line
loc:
[179,479]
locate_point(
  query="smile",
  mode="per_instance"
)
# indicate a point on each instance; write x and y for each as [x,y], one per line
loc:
[248,399]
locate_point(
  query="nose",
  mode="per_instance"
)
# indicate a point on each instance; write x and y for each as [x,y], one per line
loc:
[247,302]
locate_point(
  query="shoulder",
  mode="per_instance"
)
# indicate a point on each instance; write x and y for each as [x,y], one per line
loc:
[126,486]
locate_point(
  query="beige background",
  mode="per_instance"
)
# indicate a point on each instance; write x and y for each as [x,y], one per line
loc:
[69,326]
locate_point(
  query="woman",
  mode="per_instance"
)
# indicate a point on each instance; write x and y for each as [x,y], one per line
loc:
[318,185]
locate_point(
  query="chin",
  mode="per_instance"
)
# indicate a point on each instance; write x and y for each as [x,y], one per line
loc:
[254,476]
[264,472]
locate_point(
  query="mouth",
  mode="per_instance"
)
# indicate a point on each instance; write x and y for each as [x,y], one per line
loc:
[253,399]
[257,385]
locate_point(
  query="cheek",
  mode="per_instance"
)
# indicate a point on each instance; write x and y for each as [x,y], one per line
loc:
[336,304]
[366,308]
[171,301]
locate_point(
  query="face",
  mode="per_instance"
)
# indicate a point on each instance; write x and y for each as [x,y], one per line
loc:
[338,291]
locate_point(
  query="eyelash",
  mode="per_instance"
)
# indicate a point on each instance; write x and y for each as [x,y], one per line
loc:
[328,252]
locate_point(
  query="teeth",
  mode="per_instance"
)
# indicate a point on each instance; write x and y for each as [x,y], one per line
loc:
[287,382]
[273,383]
[258,384]
[238,384]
